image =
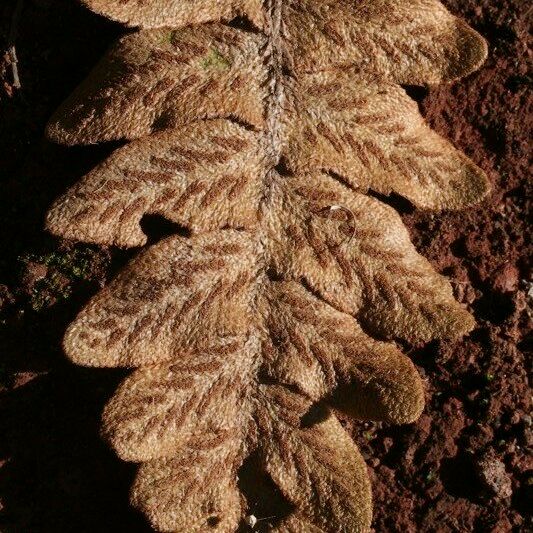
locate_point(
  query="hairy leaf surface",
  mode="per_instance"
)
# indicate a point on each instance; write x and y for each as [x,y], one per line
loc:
[293,284]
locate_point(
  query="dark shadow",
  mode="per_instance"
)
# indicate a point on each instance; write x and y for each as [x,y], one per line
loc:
[58,475]
[55,473]
[397,202]
[458,475]
[243,24]
[417,93]
[158,228]
[58,43]
[264,499]
[494,306]
[318,412]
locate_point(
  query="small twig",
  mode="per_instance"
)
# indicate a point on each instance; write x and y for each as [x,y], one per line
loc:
[13,60]
[12,50]
[333,208]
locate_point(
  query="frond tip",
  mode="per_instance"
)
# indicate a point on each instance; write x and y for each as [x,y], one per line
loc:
[289,293]
[176,13]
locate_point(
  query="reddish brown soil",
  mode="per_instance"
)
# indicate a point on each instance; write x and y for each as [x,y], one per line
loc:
[463,467]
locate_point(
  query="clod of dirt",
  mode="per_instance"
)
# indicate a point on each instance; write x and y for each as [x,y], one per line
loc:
[34,272]
[506,278]
[493,476]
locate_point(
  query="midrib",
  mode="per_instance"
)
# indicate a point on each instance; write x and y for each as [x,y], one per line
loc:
[272,144]
[274,65]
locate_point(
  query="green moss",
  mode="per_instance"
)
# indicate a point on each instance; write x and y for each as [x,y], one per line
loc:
[75,264]
[63,269]
[489,377]
[48,291]
[368,435]
[167,37]
[214,60]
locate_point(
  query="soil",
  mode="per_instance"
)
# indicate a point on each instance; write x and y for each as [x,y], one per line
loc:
[463,467]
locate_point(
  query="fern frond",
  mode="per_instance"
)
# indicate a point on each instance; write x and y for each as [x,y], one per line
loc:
[294,282]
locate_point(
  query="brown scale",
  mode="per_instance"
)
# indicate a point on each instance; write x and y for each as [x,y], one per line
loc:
[172,165]
[162,86]
[345,266]
[115,336]
[134,208]
[216,190]
[188,306]
[340,104]
[164,198]
[328,134]
[111,212]
[194,189]
[236,144]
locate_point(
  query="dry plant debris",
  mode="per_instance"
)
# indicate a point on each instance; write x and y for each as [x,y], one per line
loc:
[11,54]
[263,140]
